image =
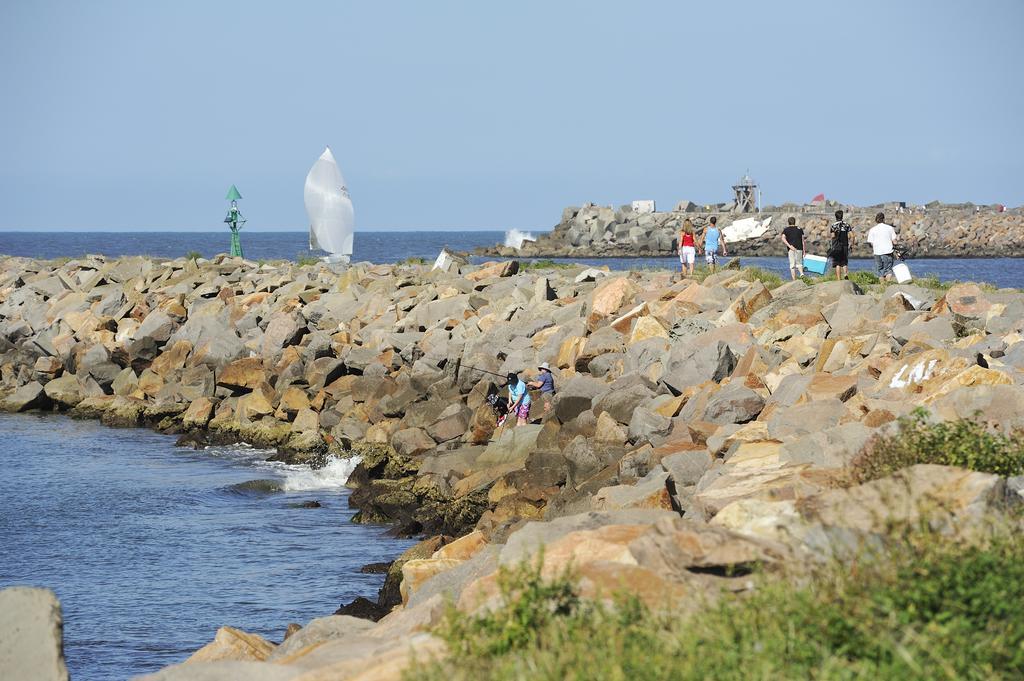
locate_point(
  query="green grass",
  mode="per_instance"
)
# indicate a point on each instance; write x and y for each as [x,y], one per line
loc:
[413,260]
[545,264]
[303,260]
[965,443]
[927,610]
[193,255]
[770,280]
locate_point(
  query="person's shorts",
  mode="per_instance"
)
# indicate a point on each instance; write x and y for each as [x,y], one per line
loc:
[523,411]
[796,260]
[884,264]
[687,254]
[711,257]
[840,258]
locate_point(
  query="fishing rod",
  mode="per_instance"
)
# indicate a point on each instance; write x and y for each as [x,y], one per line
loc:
[492,373]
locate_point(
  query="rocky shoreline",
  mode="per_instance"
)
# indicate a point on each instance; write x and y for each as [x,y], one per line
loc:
[933,231]
[699,426]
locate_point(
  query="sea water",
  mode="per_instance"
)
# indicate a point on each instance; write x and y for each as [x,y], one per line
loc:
[387,247]
[151,547]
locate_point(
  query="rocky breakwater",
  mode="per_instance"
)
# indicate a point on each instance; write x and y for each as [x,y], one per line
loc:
[937,231]
[700,427]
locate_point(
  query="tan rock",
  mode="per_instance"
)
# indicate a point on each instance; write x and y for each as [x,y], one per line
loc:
[172,358]
[609,430]
[233,644]
[150,383]
[198,413]
[254,405]
[569,351]
[417,571]
[306,420]
[967,300]
[48,365]
[611,294]
[825,386]
[647,327]
[293,400]
[243,373]
[623,323]
[670,407]
[463,548]
[972,376]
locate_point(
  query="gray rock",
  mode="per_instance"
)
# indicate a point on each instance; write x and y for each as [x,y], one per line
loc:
[647,424]
[620,402]
[29,396]
[319,630]
[575,396]
[525,542]
[157,325]
[686,468]
[584,457]
[710,362]
[834,447]
[96,363]
[734,403]
[65,390]
[31,635]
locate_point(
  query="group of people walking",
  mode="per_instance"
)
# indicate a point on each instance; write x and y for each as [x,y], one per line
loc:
[882,237]
[707,241]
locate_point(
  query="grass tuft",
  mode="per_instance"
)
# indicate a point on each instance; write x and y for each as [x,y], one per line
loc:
[928,609]
[965,443]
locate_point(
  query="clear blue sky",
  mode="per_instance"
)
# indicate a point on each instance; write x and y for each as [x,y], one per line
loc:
[139,115]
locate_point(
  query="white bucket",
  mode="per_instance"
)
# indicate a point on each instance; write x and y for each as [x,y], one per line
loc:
[902,273]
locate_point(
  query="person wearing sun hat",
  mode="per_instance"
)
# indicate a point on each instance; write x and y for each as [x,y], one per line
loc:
[545,382]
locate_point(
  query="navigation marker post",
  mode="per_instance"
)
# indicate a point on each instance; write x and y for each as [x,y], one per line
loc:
[235,221]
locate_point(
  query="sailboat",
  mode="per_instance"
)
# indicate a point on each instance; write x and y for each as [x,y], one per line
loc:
[331,217]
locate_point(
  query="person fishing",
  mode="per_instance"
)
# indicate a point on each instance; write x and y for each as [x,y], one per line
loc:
[545,382]
[518,399]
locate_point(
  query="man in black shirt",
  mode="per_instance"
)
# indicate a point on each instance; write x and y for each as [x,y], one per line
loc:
[793,237]
[842,243]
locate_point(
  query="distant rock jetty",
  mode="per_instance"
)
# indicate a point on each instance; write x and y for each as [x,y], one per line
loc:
[699,426]
[932,231]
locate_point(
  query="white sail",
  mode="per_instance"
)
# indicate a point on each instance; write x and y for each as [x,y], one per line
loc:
[331,217]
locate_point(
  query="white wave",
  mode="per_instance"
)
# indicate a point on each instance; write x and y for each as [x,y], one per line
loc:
[304,479]
[514,238]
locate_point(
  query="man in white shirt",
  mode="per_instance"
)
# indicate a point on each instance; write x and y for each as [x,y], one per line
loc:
[882,238]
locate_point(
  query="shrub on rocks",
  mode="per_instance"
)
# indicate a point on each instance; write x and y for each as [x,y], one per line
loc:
[966,443]
[928,609]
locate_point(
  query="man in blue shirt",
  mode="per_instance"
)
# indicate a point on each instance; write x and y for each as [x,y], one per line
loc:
[710,242]
[545,382]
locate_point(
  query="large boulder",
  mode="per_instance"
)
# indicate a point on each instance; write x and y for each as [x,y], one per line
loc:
[734,403]
[620,402]
[230,643]
[31,635]
[575,396]
[29,396]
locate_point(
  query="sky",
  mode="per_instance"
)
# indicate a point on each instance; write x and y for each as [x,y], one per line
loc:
[461,115]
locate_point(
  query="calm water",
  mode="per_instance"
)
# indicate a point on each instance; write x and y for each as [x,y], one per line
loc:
[150,547]
[383,247]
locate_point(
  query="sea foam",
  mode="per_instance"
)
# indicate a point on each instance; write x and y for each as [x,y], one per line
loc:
[514,238]
[332,476]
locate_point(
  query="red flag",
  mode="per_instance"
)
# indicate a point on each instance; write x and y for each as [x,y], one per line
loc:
[820,198]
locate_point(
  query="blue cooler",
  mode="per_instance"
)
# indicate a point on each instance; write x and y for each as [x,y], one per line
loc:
[815,263]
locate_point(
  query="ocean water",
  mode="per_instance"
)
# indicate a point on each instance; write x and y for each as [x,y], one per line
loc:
[386,247]
[151,548]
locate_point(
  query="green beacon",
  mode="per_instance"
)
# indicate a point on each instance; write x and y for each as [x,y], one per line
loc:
[235,221]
